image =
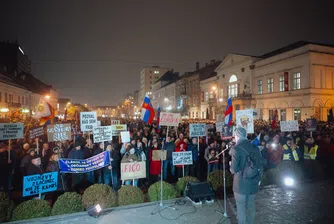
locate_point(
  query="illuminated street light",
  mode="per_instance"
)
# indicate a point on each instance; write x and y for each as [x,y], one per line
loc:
[220,99]
[47,97]
[214,88]
[166,99]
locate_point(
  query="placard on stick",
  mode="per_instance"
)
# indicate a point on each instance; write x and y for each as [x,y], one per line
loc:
[102,134]
[11,131]
[182,158]
[169,119]
[36,132]
[133,170]
[197,130]
[311,124]
[156,155]
[287,126]
[59,132]
[38,184]
[88,120]
[117,129]
[245,119]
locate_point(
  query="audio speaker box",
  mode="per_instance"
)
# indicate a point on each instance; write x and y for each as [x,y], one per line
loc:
[201,191]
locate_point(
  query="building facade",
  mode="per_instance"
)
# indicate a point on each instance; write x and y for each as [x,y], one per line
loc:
[105,111]
[209,98]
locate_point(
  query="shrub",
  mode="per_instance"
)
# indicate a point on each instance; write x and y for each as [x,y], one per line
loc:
[129,195]
[31,209]
[69,202]
[169,192]
[6,207]
[291,168]
[182,183]
[99,194]
[217,179]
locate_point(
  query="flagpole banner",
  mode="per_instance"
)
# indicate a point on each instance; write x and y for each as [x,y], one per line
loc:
[220,126]
[147,111]
[84,165]
[58,132]
[197,130]
[39,184]
[182,158]
[37,132]
[102,134]
[88,120]
[133,170]
[11,131]
[245,119]
[118,128]
[169,119]
[287,126]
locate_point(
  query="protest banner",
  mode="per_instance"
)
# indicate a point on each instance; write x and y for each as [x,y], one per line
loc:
[311,124]
[227,132]
[88,120]
[39,184]
[169,119]
[58,132]
[256,114]
[102,134]
[98,124]
[133,170]
[117,129]
[287,126]
[37,132]
[125,136]
[115,121]
[245,119]
[156,155]
[197,130]
[11,131]
[84,165]
[219,126]
[220,117]
[182,158]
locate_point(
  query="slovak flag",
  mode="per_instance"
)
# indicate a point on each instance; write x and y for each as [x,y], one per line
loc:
[45,112]
[147,113]
[228,112]
[158,118]
[274,122]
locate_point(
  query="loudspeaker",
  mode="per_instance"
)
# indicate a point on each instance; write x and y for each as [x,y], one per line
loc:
[198,192]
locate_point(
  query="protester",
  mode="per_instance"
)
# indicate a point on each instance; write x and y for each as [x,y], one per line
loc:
[5,167]
[45,155]
[169,146]
[99,173]
[27,160]
[54,167]
[155,166]
[129,157]
[114,167]
[76,153]
[193,147]
[35,167]
[210,157]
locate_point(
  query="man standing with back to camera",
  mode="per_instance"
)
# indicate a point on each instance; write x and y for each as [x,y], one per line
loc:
[246,160]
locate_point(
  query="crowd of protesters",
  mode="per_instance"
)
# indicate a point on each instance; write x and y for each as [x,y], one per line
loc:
[36,156]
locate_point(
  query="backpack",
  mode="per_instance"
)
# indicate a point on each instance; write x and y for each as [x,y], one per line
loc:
[253,168]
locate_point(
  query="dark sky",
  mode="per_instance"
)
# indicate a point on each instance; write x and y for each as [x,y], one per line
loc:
[93,51]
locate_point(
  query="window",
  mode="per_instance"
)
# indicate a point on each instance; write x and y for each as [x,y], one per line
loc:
[283,115]
[259,87]
[270,85]
[233,78]
[27,103]
[193,114]
[196,114]
[233,87]
[296,80]
[297,114]
[0,97]
[206,96]
[271,114]
[203,115]
[281,83]
[156,72]
[18,99]
[221,93]
[22,98]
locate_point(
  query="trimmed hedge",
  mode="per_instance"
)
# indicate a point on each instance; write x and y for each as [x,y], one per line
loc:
[129,195]
[169,192]
[182,183]
[6,207]
[217,179]
[31,209]
[67,203]
[99,194]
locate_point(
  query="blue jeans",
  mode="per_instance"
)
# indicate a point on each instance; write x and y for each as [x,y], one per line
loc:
[211,167]
[90,177]
[245,208]
[129,182]
[165,168]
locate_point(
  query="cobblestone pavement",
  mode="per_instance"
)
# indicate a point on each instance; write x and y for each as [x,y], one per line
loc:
[311,202]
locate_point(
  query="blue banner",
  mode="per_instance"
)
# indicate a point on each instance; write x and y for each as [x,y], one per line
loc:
[38,184]
[84,165]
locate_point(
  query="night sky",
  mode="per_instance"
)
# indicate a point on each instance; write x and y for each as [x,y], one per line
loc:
[93,51]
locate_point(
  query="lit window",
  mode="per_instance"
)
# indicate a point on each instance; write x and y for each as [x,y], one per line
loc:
[281,83]
[233,78]
[206,96]
[270,85]
[259,87]
[156,72]
[296,80]
[233,87]
[297,114]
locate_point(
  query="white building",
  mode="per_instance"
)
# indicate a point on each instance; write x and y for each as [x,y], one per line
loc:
[208,98]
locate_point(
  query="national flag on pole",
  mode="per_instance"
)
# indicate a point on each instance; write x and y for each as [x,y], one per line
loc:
[158,118]
[256,141]
[147,113]
[45,112]
[229,112]
[274,122]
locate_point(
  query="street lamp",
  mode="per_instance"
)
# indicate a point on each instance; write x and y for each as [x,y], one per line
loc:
[214,88]
[47,97]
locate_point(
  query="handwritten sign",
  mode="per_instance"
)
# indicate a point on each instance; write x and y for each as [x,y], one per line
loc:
[219,126]
[115,122]
[156,155]
[84,165]
[88,120]
[197,130]
[11,131]
[169,119]
[245,119]
[98,123]
[58,132]
[227,132]
[134,170]
[287,126]
[34,133]
[125,136]
[311,124]
[117,129]
[182,158]
[38,184]
[102,134]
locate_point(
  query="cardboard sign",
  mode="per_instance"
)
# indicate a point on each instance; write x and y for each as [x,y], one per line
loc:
[311,124]
[182,158]
[134,170]
[98,123]
[85,165]
[227,132]
[102,134]
[220,118]
[245,119]
[38,184]
[287,126]
[219,126]
[58,132]
[197,130]
[256,114]
[156,155]
[88,120]
[34,133]
[125,136]
[115,121]
[117,129]
[11,131]
[169,119]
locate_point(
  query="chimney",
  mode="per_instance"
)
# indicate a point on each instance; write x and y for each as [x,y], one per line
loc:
[197,65]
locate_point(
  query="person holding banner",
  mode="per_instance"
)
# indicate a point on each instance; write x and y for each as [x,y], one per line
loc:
[98,173]
[113,169]
[54,167]
[88,152]
[76,153]
[210,157]
[169,146]
[35,166]
[155,166]
[181,147]
[129,157]
[193,147]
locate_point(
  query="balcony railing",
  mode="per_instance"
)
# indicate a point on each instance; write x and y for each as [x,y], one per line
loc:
[14,105]
[242,96]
